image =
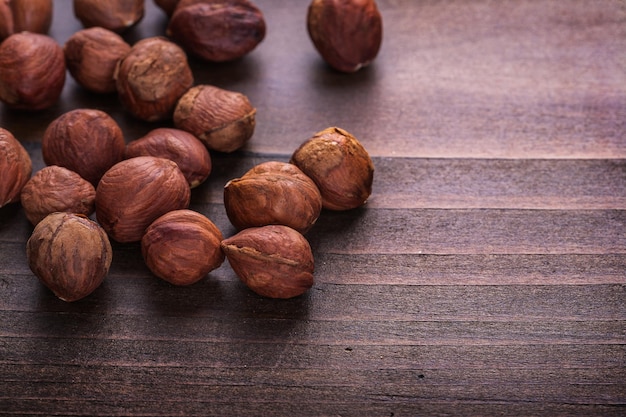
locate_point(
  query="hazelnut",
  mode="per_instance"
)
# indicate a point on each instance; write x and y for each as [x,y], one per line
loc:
[57,189]
[346,33]
[15,168]
[70,255]
[115,15]
[273,193]
[85,141]
[274,261]
[191,156]
[24,15]
[135,192]
[339,165]
[182,246]
[224,120]
[32,71]
[167,6]
[91,56]
[217,30]
[152,77]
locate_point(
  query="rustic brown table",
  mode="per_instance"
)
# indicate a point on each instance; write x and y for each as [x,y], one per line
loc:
[485,276]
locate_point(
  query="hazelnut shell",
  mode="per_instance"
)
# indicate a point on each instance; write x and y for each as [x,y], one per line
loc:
[25,16]
[224,120]
[340,166]
[57,189]
[32,71]
[15,168]
[115,15]
[182,246]
[70,255]
[137,191]
[189,153]
[346,33]
[92,55]
[217,30]
[273,261]
[152,77]
[86,141]
[273,193]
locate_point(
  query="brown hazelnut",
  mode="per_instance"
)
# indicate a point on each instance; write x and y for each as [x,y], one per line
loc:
[115,15]
[85,141]
[217,30]
[224,120]
[32,71]
[152,77]
[57,189]
[24,15]
[339,165]
[135,192]
[346,33]
[167,6]
[189,153]
[273,261]
[91,56]
[273,193]
[15,168]
[182,246]
[70,255]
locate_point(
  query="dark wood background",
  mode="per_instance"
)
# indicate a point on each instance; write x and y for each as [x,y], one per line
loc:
[486,275]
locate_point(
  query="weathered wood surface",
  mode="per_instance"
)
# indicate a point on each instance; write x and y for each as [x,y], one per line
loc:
[485,276]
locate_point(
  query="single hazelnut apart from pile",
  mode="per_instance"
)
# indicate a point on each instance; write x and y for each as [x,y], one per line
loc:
[115,15]
[182,247]
[346,33]
[273,193]
[70,255]
[32,71]
[273,261]
[217,30]
[137,191]
[339,165]
[57,189]
[152,77]
[224,120]
[86,141]
[91,56]
[15,168]
[25,16]
[189,153]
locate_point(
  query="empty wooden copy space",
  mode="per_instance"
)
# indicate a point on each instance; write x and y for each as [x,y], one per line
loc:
[485,276]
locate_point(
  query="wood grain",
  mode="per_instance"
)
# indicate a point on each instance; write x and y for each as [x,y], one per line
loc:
[485,276]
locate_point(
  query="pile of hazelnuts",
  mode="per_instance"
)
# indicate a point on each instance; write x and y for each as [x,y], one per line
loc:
[140,191]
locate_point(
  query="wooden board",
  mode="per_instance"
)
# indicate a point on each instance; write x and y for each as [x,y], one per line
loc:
[485,276]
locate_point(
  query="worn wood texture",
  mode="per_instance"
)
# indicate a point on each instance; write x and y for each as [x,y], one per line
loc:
[485,276]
